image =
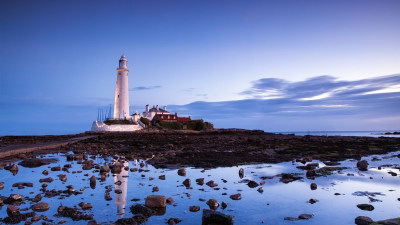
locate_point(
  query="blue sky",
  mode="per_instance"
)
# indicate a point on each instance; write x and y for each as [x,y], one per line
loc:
[271,65]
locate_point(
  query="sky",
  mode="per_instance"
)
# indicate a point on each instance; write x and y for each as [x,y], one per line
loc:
[272,65]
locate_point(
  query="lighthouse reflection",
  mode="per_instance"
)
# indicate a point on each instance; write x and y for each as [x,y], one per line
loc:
[121,188]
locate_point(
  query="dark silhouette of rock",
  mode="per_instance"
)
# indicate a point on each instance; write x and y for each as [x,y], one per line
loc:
[200,181]
[155,201]
[366,207]
[313,186]
[194,208]
[237,196]
[41,207]
[363,220]
[12,168]
[12,210]
[93,182]
[287,178]
[47,180]
[186,182]
[161,177]
[213,204]
[173,221]
[104,169]
[85,205]
[306,216]
[63,177]
[170,200]
[73,213]
[107,196]
[252,184]
[211,183]
[156,189]
[362,165]
[1,185]
[241,173]
[182,172]
[213,217]
[223,205]
[140,209]
[21,185]
[35,162]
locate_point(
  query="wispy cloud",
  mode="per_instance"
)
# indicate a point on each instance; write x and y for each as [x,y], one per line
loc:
[144,88]
[323,97]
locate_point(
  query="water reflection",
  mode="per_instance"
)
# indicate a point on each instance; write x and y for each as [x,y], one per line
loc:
[121,184]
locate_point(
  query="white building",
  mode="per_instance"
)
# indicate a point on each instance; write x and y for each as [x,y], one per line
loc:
[121,103]
[150,113]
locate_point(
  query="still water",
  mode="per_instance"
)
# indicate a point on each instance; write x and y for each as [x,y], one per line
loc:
[277,201]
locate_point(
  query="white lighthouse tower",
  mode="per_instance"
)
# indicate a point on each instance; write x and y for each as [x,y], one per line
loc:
[121,103]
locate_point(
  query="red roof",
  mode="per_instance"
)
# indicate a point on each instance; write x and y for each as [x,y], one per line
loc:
[184,119]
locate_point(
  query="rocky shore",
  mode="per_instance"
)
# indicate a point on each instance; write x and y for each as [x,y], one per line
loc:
[215,148]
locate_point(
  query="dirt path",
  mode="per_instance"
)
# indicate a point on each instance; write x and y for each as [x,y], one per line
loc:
[25,148]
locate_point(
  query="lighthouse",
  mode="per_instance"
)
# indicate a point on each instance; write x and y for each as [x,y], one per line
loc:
[121,103]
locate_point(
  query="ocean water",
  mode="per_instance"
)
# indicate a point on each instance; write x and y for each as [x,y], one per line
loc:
[341,133]
[277,201]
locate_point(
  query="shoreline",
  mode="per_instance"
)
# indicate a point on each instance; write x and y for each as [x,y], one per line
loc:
[207,149]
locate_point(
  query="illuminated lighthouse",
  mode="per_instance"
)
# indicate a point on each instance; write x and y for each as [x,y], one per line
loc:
[121,103]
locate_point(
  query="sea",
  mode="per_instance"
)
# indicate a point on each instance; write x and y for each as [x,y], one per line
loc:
[342,133]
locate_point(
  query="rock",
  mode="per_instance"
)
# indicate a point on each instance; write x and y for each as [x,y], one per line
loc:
[237,196]
[363,220]
[213,204]
[313,186]
[211,183]
[214,217]
[155,189]
[116,168]
[107,196]
[362,165]
[260,190]
[37,198]
[47,180]
[200,181]
[252,184]
[140,209]
[93,182]
[104,169]
[72,213]
[291,218]
[63,177]
[223,205]
[312,200]
[306,216]
[1,185]
[12,168]
[287,178]
[173,221]
[92,222]
[311,173]
[161,177]
[186,182]
[35,218]
[194,208]
[155,201]
[182,172]
[45,172]
[241,173]
[35,162]
[40,207]
[21,185]
[12,210]
[170,200]
[126,221]
[366,207]
[85,206]
[56,168]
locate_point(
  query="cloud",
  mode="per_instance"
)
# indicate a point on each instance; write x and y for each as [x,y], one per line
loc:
[144,88]
[322,101]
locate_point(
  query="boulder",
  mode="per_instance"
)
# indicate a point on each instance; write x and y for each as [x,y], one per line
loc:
[12,210]
[252,184]
[214,217]
[182,172]
[155,201]
[366,207]
[32,163]
[194,208]
[93,182]
[200,181]
[363,220]
[41,207]
[237,196]
[186,182]
[241,173]
[362,165]
[306,216]
[313,186]
[213,204]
